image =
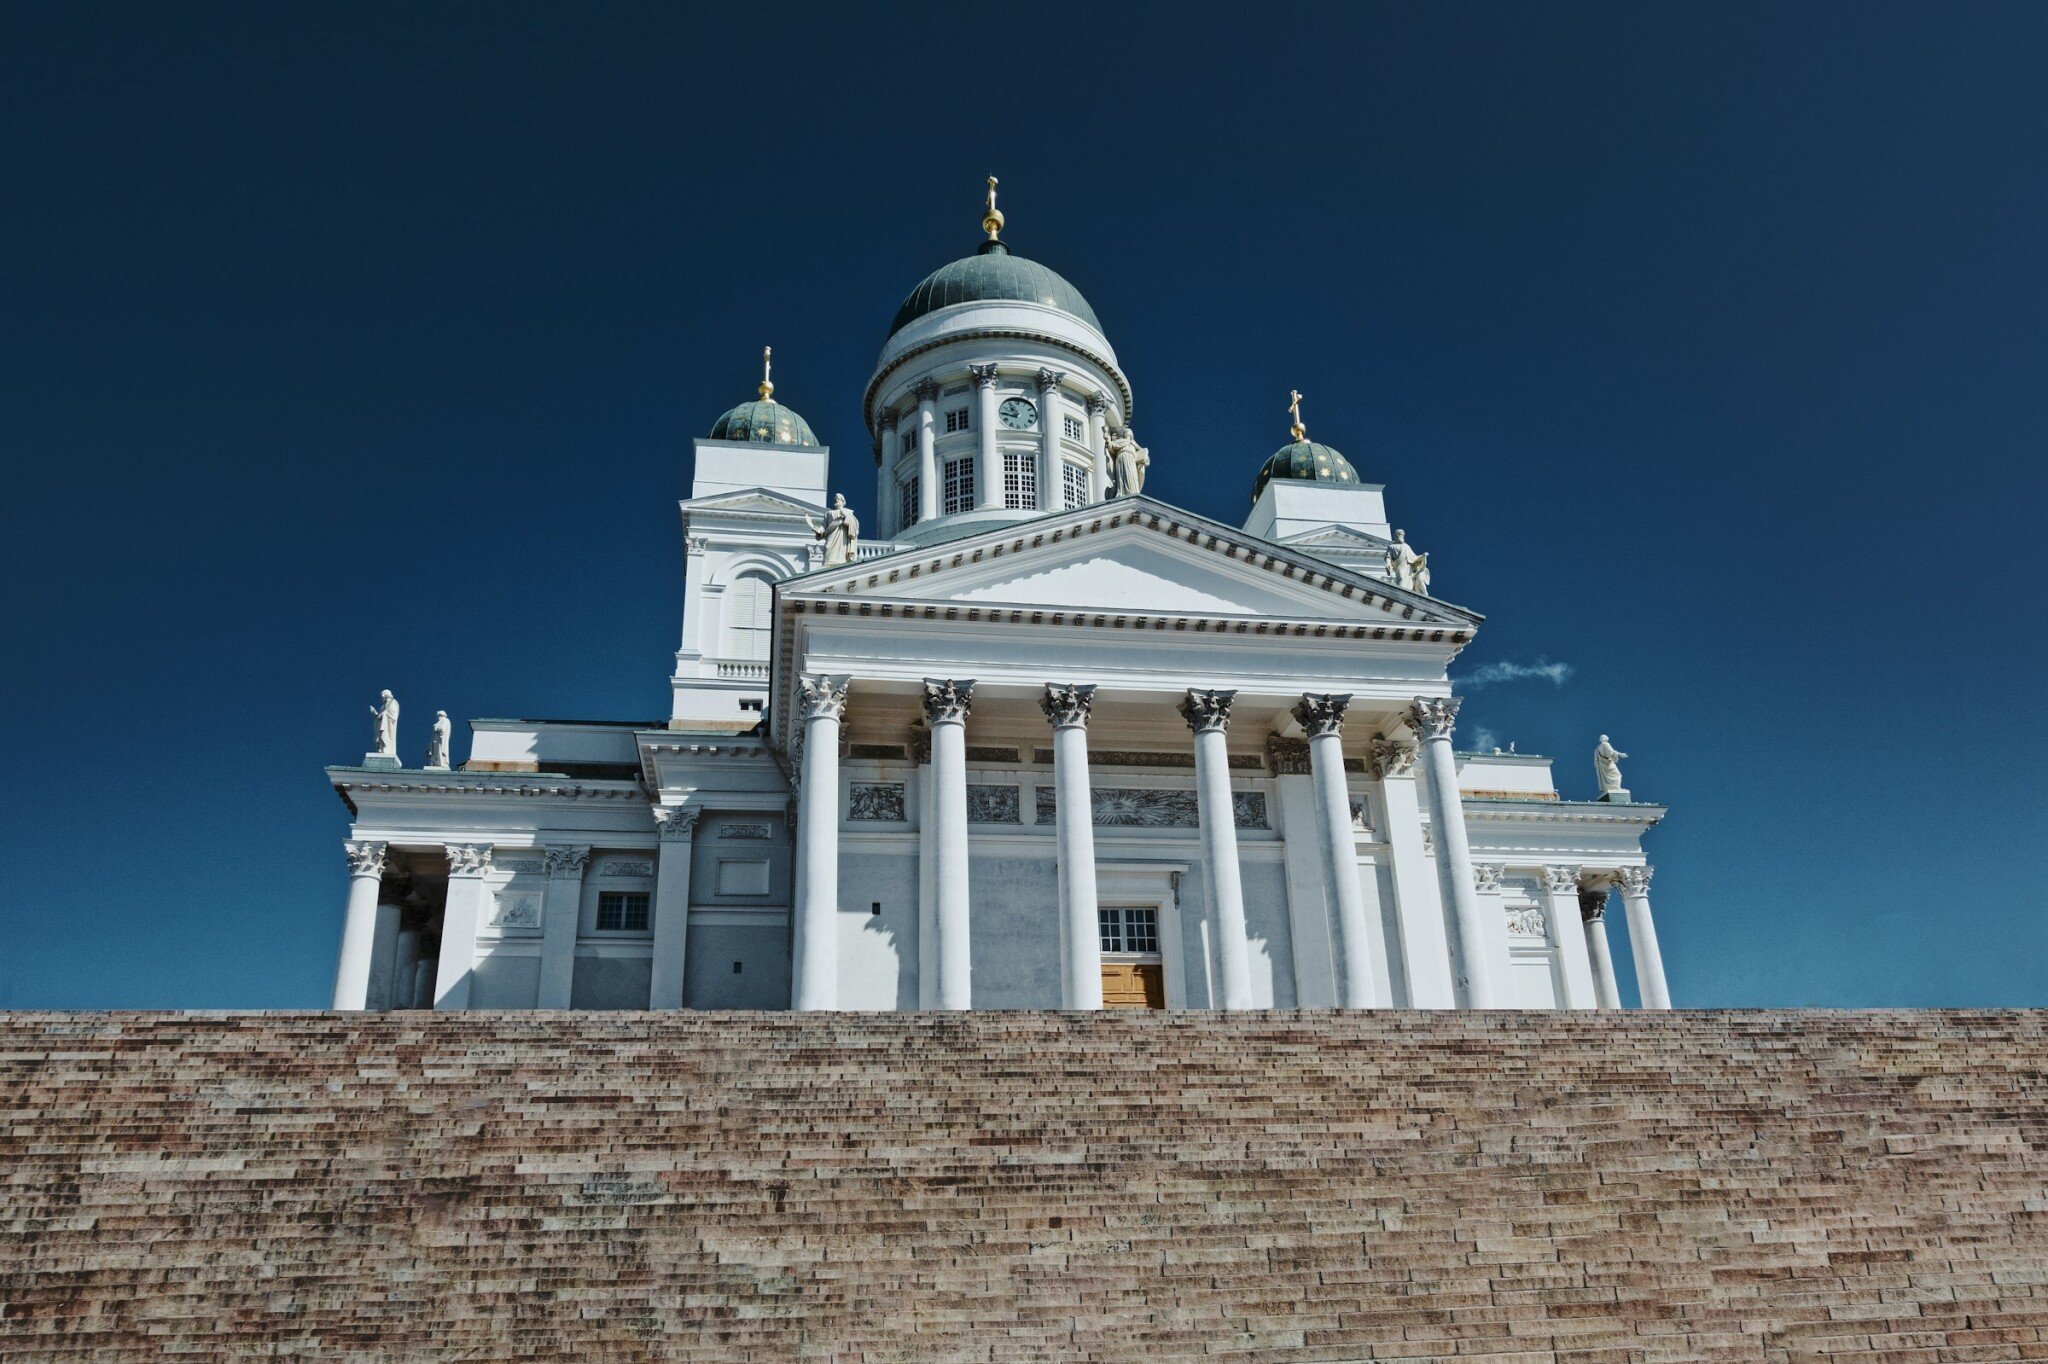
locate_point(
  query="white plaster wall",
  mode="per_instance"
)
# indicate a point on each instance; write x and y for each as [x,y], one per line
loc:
[1272,950]
[878,952]
[505,980]
[1015,930]
[609,982]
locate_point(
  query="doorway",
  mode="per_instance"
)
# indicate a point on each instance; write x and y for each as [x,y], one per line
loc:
[1133,970]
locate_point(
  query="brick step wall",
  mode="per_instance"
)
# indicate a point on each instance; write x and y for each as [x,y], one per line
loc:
[613,1187]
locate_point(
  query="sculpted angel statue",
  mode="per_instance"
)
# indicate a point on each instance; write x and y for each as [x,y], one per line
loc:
[1607,766]
[1128,462]
[840,532]
[386,711]
[437,746]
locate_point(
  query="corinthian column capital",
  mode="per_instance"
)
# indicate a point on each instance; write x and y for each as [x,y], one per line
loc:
[676,826]
[1096,404]
[984,375]
[1593,905]
[468,859]
[1207,710]
[1321,714]
[947,700]
[563,860]
[1635,880]
[1392,757]
[1486,875]
[1434,717]
[1559,879]
[364,858]
[1068,705]
[1049,379]
[927,389]
[822,696]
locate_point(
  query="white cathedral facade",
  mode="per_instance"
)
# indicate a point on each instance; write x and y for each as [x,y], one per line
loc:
[1040,740]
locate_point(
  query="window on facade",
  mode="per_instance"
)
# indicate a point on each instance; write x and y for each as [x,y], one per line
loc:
[1129,930]
[1072,426]
[956,420]
[747,604]
[911,493]
[1020,480]
[1074,484]
[622,911]
[959,485]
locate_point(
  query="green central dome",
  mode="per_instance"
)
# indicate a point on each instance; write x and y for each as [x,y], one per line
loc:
[765,422]
[992,275]
[1309,460]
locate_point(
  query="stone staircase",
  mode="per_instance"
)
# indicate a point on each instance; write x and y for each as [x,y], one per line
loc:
[1015,1186]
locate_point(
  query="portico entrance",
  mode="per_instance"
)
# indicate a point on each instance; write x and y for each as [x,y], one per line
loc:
[1133,971]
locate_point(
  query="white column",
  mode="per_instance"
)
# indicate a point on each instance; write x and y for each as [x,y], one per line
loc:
[561,915]
[1425,950]
[359,927]
[946,703]
[468,863]
[1493,925]
[383,948]
[1593,914]
[1208,715]
[988,470]
[886,502]
[1051,486]
[1098,439]
[1561,914]
[929,486]
[814,982]
[1321,717]
[667,957]
[1642,937]
[1433,719]
[423,973]
[1074,820]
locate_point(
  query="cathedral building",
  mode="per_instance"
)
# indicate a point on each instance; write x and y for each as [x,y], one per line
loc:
[1037,740]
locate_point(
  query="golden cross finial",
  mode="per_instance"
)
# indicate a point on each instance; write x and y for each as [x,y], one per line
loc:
[767,384]
[1294,410]
[992,221]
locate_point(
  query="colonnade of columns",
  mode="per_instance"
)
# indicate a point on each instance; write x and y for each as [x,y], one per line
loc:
[1444,939]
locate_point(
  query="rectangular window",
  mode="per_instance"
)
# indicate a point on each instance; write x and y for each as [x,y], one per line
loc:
[1131,931]
[1020,480]
[956,420]
[622,911]
[1072,426]
[1074,483]
[959,485]
[912,491]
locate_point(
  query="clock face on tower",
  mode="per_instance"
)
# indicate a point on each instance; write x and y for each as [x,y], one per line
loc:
[1018,414]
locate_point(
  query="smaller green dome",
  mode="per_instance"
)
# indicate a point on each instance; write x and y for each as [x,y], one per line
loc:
[1309,460]
[766,422]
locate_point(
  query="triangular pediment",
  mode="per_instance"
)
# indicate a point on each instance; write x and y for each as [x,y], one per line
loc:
[756,501]
[1132,557]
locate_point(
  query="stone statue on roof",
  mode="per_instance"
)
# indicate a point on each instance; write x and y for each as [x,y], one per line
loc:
[386,711]
[1405,566]
[437,746]
[1128,462]
[840,532]
[1607,768]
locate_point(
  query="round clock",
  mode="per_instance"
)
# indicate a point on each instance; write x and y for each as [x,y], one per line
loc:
[1018,414]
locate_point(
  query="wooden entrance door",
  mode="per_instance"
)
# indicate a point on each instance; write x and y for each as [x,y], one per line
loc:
[1133,985]
[1133,975]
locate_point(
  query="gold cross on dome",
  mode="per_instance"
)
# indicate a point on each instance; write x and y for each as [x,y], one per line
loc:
[1294,411]
[992,221]
[767,365]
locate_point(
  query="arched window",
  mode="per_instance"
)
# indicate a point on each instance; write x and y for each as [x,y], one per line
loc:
[747,618]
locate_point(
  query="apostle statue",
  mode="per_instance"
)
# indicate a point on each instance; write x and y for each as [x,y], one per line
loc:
[437,747]
[1607,767]
[841,532]
[1128,461]
[1405,566]
[386,711]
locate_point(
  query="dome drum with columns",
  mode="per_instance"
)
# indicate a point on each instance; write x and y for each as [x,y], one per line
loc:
[1030,738]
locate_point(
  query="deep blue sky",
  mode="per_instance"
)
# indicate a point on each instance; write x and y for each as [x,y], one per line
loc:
[1703,347]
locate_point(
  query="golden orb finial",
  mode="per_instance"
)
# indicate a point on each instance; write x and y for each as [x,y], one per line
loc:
[1294,409]
[992,221]
[767,384]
